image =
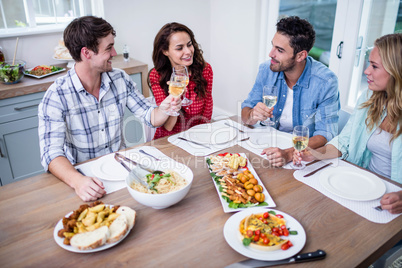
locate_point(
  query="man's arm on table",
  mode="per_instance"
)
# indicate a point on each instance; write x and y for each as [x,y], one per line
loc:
[87,188]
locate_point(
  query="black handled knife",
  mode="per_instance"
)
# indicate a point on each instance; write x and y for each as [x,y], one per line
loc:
[304,257]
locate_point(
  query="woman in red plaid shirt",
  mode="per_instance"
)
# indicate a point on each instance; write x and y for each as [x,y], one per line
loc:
[175,45]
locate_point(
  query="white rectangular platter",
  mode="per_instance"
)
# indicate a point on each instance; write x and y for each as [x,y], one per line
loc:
[225,204]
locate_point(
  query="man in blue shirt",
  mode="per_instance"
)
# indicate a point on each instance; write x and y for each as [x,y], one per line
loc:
[81,114]
[307,89]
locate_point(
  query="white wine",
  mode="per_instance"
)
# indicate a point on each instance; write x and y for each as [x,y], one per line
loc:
[176,89]
[300,143]
[270,101]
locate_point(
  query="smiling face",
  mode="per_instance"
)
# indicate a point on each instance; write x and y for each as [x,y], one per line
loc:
[181,49]
[282,58]
[377,76]
[102,61]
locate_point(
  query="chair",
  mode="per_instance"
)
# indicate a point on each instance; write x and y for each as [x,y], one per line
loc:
[343,119]
[133,130]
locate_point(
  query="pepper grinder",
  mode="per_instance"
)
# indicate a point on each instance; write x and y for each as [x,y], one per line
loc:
[126,52]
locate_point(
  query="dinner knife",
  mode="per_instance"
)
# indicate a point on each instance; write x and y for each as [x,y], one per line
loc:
[318,169]
[304,257]
[200,144]
[227,124]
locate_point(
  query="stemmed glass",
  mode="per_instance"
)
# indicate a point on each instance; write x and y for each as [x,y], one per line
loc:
[177,85]
[181,69]
[269,97]
[300,142]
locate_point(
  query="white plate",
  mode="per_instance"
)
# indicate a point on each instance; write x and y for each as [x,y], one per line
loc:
[60,240]
[45,75]
[232,237]
[211,134]
[107,168]
[225,204]
[352,183]
[271,139]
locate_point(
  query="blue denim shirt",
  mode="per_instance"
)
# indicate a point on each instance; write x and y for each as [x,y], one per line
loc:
[315,97]
[352,141]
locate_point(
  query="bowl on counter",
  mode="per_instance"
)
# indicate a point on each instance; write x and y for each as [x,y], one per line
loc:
[11,74]
[164,200]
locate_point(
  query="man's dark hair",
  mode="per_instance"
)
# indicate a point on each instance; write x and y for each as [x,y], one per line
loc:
[85,32]
[300,32]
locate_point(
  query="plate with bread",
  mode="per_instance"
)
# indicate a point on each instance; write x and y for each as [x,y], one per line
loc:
[94,227]
[264,234]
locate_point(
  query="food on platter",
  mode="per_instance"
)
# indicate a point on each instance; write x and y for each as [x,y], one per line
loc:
[61,52]
[41,70]
[163,183]
[237,184]
[264,231]
[96,224]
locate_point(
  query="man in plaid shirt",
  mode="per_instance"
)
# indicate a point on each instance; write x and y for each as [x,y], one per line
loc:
[81,114]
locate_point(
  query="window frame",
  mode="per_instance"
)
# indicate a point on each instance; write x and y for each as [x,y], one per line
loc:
[34,29]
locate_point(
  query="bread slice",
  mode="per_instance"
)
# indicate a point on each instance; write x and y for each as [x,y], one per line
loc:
[118,229]
[90,240]
[129,213]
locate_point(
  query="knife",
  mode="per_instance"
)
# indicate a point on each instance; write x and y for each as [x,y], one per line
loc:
[304,257]
[318,169]
[227,124]
[200,144]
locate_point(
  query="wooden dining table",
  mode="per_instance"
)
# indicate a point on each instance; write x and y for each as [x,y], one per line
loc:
[188,234]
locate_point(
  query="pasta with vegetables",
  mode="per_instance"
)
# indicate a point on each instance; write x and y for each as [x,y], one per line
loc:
[161,183]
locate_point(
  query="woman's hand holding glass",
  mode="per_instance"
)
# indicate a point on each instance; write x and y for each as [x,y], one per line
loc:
[300,142]
[182,70]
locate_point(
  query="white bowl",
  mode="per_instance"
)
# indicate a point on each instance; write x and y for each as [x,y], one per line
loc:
[160,201]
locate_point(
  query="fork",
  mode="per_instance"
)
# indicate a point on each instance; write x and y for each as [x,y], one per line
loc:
[378,208]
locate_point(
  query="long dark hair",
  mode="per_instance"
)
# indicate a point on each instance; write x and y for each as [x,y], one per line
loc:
[162,63]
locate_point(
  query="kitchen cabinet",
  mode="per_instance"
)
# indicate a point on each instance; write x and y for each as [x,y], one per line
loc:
[19,141]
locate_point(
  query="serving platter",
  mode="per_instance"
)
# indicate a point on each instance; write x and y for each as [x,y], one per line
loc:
[42,76]
[225,205]
[234,239]
[60,240]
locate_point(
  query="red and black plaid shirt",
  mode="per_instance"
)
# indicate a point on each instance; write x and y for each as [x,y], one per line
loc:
[199,112]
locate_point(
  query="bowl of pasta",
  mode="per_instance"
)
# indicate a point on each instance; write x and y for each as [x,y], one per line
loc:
[160,190]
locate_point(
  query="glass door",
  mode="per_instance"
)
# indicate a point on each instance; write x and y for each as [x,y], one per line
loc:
[379,17]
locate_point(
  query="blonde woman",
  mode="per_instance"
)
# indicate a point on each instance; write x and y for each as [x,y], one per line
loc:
[372,138]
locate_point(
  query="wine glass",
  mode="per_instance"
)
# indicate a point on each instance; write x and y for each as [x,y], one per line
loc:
[181,69]
[300,142]
[269,98]
[177,85]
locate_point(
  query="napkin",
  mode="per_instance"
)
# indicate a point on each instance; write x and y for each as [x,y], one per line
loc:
[217,128]
[363,208]
[110,184]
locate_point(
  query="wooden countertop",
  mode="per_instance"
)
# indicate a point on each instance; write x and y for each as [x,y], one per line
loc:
[190,233]
[29,85]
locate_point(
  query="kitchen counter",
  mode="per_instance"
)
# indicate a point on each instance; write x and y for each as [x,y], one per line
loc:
[29,85]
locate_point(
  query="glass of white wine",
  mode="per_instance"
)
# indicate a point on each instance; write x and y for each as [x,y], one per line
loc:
[177,85]
[181,69]
[269,98]
[300,142]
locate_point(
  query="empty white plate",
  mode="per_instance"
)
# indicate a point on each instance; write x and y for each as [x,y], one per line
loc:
[352,183]
[211,134]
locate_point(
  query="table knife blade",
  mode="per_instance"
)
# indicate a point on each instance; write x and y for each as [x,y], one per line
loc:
[200,144]
[318,169]
[304,257]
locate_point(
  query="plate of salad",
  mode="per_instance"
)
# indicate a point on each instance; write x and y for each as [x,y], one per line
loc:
[42,71]
[237,182]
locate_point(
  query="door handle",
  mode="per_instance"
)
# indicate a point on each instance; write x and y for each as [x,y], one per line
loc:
[25,107]
[339,50]
[1,153]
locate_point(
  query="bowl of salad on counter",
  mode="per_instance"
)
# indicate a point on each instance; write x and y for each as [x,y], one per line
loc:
[12,73]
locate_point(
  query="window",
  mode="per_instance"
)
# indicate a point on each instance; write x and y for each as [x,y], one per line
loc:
[22,17]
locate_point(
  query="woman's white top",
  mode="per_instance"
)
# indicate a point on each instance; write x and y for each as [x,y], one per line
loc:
[378,144]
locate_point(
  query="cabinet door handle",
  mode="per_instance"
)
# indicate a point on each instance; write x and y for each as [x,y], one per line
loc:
[1,153]
[25,107]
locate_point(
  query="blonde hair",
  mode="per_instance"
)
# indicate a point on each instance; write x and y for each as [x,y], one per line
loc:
[390,49]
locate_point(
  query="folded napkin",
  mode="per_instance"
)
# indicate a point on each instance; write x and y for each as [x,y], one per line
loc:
[112,173]
[214,132]
[363,208]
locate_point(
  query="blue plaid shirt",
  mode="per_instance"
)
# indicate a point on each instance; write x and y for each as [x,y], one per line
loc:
[74,124]
[315,97]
